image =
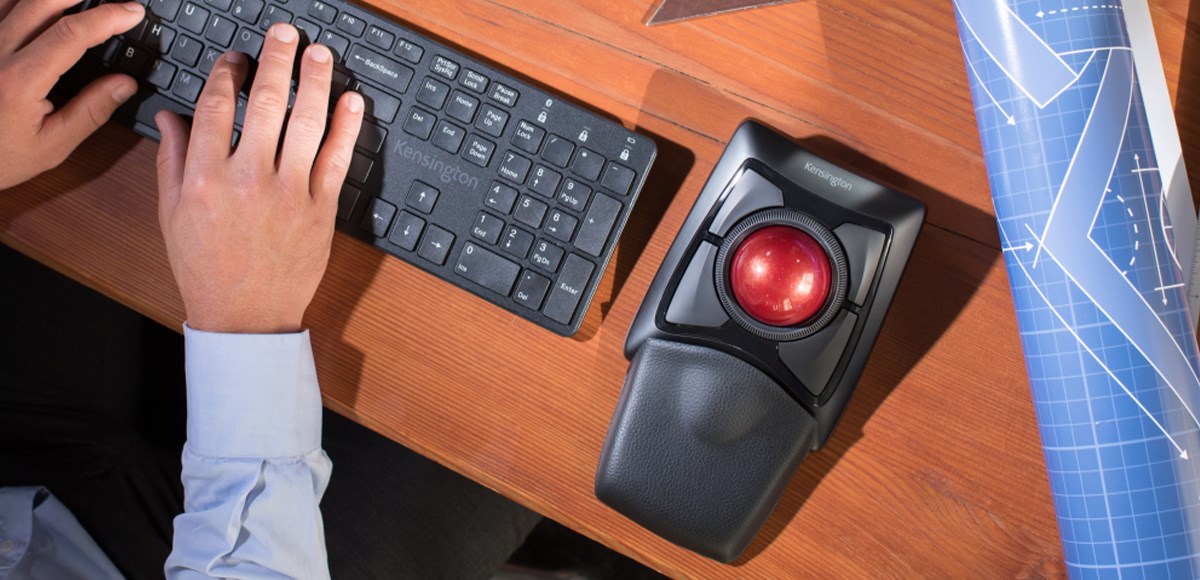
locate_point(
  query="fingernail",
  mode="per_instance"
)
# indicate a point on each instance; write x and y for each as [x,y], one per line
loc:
[354,102]
[235,57]
[319,53]
[284,32]
[132,6]
[123,91]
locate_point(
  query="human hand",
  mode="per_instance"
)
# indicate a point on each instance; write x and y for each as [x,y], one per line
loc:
[248,231]
[37,46]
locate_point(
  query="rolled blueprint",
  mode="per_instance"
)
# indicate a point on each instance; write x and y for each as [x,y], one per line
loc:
[1097,279]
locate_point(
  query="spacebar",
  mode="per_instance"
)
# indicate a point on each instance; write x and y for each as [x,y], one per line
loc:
[487,269]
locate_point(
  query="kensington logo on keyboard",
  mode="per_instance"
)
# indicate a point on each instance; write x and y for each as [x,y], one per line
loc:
[447,173]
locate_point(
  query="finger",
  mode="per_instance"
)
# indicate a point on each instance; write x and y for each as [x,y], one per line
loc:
[6,7]
[57,49]
[172,158]
[23,21]
[212,127]
[63,131]
[310,113]
[269,94]
[334,159]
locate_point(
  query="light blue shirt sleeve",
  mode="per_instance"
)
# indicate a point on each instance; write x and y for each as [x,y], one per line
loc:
[253,468]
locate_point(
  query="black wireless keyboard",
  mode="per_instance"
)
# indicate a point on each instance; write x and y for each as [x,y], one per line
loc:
[461,169]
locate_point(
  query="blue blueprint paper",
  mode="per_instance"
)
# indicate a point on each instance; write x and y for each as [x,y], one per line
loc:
[1096,279]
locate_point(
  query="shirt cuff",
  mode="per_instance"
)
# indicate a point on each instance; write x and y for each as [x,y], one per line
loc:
[251,395]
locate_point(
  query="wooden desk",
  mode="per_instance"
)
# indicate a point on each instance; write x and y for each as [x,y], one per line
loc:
[936,468]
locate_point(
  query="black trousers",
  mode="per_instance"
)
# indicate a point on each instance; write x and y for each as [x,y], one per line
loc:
[92,406]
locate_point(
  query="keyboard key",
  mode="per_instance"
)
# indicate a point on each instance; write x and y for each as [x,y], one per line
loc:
[158,38]
[419,123]
[531,290]
[422,197]
[547,256]
[346,201]
[164,9]
[220,30]
[561,225]
[492,121]
[310,32]
[448,137]
[275,15]
[515,167]
[598,224]
[222,5]
[247,11]
[516,242]
[360,168]
[380,37]
[372,66]
[530,211]
[322,11]
[544,181]
[161,74]
[248,42]
[505,95]
[501,197]
[211,54]
[409,51]
[528,138]
[479,150]
[132,60]
[558,150]
[337,44]
[487,227]
[188,87]
[435,245]
[474,81]
[618,178]
[381,105]
[352,25]
[194,18]
[568,289]
[445,67]
[574,195]
[407,232]
[378,217]
[462,107]
[371,136]
[487,269]
[433,93]
[588,164]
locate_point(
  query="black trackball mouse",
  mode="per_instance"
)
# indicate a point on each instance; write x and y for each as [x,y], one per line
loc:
[751,339]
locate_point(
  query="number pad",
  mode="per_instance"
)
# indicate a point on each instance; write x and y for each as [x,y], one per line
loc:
[516,242]
[561,225]
[546,256]
[487,228]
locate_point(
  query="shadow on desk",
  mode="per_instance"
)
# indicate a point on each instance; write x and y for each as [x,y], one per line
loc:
[944,272]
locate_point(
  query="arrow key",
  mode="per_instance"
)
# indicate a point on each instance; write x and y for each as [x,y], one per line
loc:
[407,232]
[435,246]
[378,217]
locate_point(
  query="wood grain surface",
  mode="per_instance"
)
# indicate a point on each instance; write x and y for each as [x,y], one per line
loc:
[936,469]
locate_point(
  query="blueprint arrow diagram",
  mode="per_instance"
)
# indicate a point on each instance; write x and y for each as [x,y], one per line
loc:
[1068,243]
[1029,63]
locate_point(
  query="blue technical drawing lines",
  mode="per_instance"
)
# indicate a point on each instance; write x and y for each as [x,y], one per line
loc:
[1096,279]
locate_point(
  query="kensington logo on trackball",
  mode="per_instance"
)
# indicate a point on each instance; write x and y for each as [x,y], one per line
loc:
[833,180]
[447,173]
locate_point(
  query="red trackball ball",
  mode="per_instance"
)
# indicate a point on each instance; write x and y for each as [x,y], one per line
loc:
[780,276]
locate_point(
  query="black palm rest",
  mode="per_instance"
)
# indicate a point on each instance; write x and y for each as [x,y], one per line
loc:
[751,339]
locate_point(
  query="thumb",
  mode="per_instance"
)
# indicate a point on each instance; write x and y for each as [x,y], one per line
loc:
[172,154]
[92,107]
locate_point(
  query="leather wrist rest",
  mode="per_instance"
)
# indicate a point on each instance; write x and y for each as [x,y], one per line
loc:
[701,447]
